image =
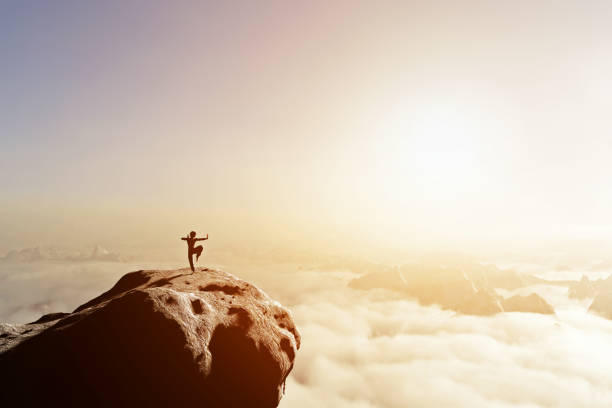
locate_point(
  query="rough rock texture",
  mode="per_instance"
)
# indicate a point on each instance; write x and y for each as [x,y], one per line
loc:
[157,338]
[532,303]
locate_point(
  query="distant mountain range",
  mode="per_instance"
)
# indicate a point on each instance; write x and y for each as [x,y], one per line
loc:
[98,253]
[467,288]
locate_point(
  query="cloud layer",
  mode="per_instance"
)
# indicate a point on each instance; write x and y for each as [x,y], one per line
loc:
[36,254]
[365,349]
[375,350]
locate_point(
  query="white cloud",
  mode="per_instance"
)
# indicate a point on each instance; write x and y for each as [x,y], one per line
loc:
[30,289]
[366,349]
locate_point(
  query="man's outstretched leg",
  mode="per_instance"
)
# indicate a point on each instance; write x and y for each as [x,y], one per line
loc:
[198,250]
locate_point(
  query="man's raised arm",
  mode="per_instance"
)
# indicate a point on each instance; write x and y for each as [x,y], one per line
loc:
[202,239]
[184,239]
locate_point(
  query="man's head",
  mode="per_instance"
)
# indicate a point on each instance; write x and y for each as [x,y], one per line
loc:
[192,234]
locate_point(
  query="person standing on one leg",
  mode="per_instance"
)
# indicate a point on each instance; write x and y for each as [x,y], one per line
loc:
[192,249]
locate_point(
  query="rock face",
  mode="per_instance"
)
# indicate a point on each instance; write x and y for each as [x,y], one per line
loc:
[157,338]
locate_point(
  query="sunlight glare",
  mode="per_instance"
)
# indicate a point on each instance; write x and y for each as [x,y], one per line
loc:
[436,150]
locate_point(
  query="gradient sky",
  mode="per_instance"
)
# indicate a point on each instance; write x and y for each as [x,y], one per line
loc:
[382,122]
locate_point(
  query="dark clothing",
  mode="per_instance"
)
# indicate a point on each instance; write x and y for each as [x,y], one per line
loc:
[197,251]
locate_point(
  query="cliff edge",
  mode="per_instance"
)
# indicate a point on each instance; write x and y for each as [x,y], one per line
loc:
[159,339]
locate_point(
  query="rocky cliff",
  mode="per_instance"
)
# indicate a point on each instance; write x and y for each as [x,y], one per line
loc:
[157,338]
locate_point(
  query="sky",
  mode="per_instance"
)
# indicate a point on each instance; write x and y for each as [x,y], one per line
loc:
[348,126]
[345,124]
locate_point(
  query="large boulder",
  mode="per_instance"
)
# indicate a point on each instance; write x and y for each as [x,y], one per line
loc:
[158,339]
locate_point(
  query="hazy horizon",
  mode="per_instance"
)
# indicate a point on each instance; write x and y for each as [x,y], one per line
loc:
[352,124]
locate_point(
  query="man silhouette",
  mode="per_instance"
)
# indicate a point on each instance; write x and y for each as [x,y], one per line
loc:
[191,240]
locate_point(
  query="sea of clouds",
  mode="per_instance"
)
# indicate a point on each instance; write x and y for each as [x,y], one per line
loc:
[376,349]
[373,349]
[30,289]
